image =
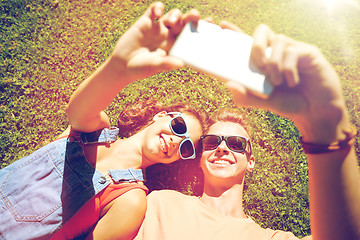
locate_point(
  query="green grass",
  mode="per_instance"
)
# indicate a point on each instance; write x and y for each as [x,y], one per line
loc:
[46,50]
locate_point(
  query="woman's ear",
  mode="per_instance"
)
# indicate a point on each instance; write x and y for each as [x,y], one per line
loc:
[250,163]
[159,115]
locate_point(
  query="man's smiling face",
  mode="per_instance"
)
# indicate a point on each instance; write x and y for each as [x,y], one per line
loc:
[222,163]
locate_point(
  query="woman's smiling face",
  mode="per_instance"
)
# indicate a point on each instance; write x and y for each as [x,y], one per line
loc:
[161,145]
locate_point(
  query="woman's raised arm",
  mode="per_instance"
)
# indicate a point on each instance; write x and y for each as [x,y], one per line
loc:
[141,52]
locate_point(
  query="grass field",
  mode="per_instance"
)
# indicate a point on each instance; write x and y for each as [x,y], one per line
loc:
[48,47]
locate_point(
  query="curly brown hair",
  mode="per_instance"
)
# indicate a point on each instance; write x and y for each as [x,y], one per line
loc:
[136,117]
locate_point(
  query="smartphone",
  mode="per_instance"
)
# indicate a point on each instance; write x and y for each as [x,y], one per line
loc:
[220,52]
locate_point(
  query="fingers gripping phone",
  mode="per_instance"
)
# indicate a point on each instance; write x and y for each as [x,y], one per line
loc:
[220,52]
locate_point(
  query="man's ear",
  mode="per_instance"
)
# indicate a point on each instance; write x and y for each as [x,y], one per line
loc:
[250,163]
[159,115]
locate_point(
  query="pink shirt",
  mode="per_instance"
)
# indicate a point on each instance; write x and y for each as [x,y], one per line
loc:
[171,215]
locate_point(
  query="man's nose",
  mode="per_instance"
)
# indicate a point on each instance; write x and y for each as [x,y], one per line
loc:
[222,148]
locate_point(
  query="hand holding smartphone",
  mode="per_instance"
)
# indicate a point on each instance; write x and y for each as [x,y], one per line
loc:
[220,52]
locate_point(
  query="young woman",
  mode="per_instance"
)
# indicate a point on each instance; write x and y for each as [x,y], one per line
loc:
[155,134]
[90,180]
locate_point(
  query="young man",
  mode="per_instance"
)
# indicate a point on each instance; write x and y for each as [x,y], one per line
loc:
[310,95]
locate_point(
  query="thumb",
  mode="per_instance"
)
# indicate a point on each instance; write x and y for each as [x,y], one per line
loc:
[167,62]
[170,63]
[158,62]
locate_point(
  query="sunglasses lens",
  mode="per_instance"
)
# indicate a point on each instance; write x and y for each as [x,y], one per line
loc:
[237,144]
[178,125]
[234,143]
[187,149]
[210,142]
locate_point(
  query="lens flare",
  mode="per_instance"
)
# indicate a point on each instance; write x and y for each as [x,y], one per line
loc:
[331,5]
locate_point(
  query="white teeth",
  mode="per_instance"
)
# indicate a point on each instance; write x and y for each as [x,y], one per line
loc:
[163,145]
[222,162]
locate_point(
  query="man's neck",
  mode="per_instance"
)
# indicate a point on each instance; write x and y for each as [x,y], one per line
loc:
[225,201]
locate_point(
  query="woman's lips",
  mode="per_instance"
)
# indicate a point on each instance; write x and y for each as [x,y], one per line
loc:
[163,145]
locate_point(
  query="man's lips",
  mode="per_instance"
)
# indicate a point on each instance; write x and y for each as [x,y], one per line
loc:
[163,146]
[222,161]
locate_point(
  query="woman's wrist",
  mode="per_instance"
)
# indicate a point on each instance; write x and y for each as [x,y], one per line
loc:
[117,72]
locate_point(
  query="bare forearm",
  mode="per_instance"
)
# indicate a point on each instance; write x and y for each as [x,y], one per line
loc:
[93,96]
[334,179]
[334,195]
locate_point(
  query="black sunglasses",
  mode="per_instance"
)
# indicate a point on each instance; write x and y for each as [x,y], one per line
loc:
[234,143]
[179,128]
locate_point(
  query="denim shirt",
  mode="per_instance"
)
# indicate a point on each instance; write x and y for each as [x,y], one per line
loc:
[41,192]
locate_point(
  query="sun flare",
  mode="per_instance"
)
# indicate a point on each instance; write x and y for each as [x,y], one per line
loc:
[331,5]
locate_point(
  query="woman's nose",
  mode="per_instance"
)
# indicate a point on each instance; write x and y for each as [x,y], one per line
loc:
[175,141]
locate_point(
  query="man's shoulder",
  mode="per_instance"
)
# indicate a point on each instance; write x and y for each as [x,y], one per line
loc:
[166,193]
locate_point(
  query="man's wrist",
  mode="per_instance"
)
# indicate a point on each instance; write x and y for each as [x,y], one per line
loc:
[324,125]
[315,148]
